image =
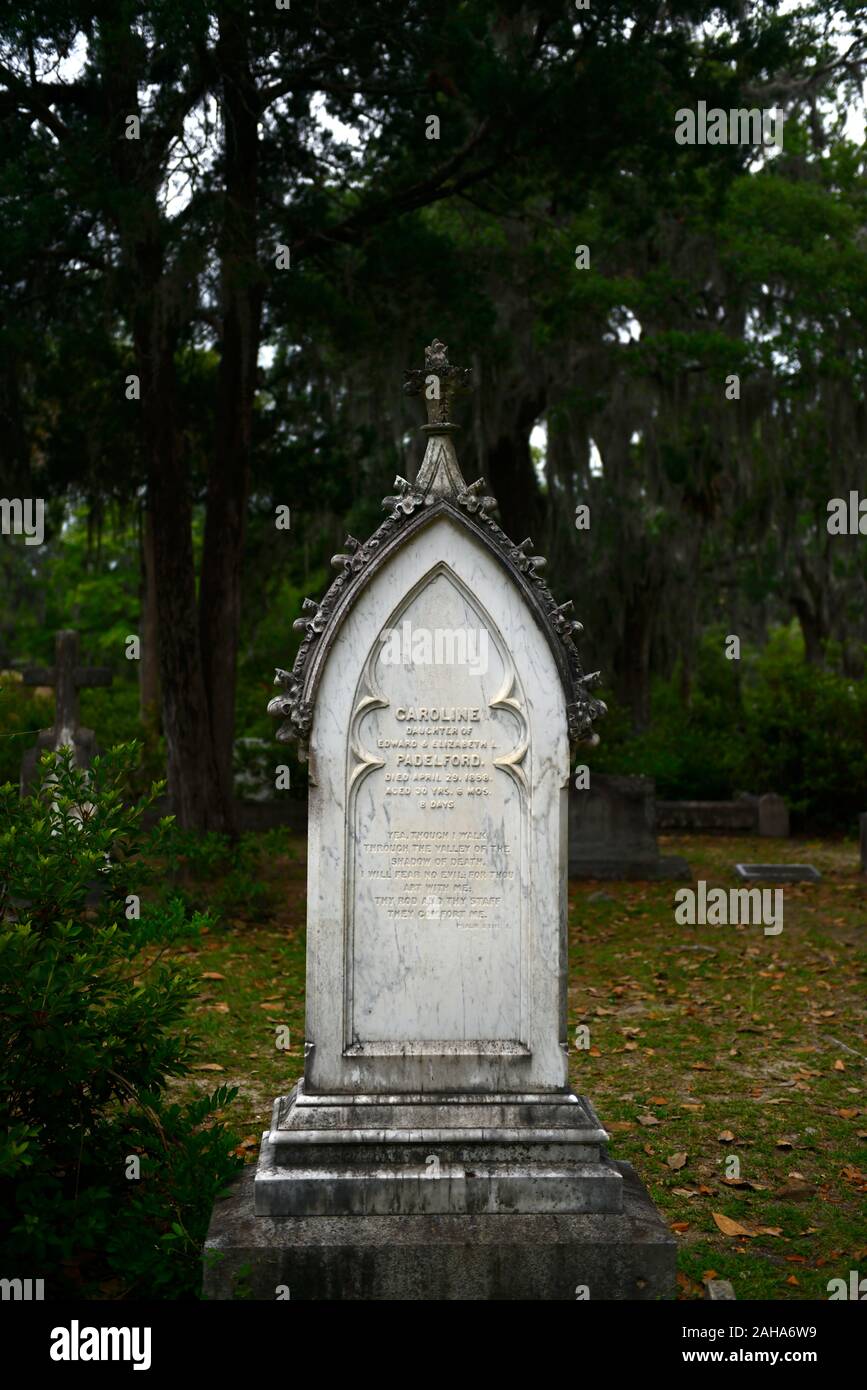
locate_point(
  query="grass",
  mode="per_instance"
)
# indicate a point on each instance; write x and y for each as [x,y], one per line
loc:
[727,1065]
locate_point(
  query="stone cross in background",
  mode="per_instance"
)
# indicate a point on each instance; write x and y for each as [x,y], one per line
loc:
[68,678]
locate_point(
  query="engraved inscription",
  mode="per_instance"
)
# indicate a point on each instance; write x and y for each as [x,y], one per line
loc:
[437,838]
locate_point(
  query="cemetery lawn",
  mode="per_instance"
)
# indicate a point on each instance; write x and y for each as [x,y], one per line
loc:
[706,1044]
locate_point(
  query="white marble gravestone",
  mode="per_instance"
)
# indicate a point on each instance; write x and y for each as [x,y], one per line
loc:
[437,694]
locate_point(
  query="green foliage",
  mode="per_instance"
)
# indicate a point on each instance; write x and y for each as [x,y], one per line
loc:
[22,714]
[805,736]
[93,1027]
[778,725]
[199,861]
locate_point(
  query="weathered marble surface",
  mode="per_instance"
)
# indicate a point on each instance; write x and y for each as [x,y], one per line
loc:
[344,1154]
[450,971]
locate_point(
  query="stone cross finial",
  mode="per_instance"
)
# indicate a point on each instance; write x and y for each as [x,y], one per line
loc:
[439,475]
[439,382]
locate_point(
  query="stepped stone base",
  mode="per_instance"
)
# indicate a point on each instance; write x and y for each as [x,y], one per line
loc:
[413,1154]
[440,1256]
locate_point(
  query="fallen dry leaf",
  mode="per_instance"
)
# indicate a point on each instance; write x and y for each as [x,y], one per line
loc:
[208,1066]
[726,1137]
[676,1161]
[730,1227]
[213,975]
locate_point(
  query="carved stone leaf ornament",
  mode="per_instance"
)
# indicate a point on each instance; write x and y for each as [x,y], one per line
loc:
[439,488]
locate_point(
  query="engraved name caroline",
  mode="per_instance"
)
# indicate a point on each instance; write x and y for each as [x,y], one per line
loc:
[460,714]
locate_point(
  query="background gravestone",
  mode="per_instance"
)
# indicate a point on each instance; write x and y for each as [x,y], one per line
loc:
[67,677]
[612,831]
[434,1133]
[773,817]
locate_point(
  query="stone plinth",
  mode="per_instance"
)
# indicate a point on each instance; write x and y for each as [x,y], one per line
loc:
[440,1256]
[339,1155]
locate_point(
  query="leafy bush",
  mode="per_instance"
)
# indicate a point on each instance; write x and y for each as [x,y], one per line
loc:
[768,723]
[22,714]
[92,1029]
[806,736]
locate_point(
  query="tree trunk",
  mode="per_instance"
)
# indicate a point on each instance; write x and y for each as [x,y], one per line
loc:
[241,293]
[149,666]
[810,602]
[194,784]
[157,295]
[512,477]
[633,666]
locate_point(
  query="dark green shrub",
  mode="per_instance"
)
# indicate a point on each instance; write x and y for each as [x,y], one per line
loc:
[806,737]
[769,722]
[92,1029]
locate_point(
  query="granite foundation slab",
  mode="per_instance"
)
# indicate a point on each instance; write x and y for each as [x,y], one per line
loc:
[778,873]
[433,1256]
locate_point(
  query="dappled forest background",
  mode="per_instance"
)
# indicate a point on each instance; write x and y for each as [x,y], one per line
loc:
[280,239]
